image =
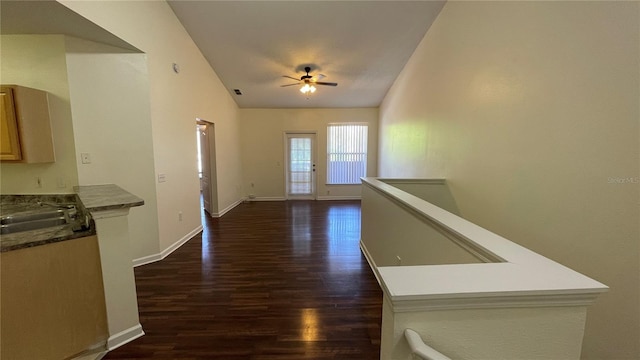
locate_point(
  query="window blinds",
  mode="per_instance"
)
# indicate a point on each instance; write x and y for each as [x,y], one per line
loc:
[346,153]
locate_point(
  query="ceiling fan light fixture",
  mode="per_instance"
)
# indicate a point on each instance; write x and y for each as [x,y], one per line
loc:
[308,82]
[306,89]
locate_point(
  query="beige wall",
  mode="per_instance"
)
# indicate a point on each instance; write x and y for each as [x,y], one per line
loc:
[263,154]
[176,100]
[399,237]
[38,61]
[530,110]
[109,90]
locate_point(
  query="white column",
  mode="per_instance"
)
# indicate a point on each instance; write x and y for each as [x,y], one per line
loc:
[112,228]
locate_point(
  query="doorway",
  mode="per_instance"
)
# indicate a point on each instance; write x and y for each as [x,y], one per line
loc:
[207,166]
[300,166]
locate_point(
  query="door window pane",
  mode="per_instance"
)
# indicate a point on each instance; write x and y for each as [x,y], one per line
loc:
[300,166]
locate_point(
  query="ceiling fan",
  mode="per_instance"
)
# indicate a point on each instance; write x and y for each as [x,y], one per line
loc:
[308,82]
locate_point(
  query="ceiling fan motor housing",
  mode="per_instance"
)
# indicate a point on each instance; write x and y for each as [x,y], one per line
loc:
[308,79]
[307,69]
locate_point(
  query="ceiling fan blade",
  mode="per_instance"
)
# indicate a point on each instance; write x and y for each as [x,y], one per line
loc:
[290,77]
[318,77]
[289,85]
[326,83]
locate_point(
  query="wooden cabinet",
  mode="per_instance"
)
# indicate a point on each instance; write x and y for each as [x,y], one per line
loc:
[52,301]
[25,127]
[10,140]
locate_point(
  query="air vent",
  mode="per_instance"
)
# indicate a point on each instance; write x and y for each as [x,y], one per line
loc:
[237,91]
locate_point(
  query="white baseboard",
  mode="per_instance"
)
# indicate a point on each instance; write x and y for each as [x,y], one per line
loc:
[166,252]
[282,198]
[267,198]
[345,197]
[227,209]
[371,263]
[124,336]
[147,260]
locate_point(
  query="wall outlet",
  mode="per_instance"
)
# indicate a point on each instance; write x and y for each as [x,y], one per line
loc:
[251,184]
[86,158]
[61,183]
[398,260]
[38,182]
[328,192]
[162,178]
[179,215]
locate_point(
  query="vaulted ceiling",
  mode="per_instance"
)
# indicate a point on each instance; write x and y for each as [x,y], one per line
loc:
[361,45]
[51,17]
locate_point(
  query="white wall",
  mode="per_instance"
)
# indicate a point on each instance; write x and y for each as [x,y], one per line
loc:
[263,153]
[176,100]
[38,61]
[109,90]
[396,236]
[529,333]
[433,191]
[530,111]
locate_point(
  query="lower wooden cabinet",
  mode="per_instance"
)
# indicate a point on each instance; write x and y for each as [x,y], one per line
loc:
[25,126]
[52,303]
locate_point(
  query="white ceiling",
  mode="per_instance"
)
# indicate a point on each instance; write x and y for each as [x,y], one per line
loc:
[361,45]
[51,17]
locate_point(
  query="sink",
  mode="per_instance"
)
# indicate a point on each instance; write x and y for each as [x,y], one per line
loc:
[10,224]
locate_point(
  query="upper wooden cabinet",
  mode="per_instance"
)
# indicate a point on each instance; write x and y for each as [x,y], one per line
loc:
[25,127]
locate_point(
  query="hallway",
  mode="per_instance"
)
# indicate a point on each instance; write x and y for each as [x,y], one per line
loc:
[269,280]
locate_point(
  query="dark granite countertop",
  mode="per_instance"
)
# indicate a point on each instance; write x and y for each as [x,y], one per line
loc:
[87,200]
[106,197]
[27,239]
[19,205]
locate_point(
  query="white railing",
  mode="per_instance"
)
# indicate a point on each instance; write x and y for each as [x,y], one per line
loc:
[449,279]
[420,349]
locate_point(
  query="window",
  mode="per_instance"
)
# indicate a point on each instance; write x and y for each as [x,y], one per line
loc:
[346,153]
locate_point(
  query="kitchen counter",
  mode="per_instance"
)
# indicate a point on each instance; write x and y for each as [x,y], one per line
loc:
[29,204]
[88,199]
[26,239]
[106,197]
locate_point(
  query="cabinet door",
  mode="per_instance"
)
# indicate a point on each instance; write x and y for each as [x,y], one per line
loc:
[9,139]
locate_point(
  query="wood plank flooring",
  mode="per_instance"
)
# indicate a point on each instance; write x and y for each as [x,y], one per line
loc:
[269,280]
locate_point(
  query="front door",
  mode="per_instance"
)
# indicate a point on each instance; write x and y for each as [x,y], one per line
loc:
[301,167]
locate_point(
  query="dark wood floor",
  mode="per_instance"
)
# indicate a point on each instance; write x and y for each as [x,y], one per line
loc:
[269,280]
